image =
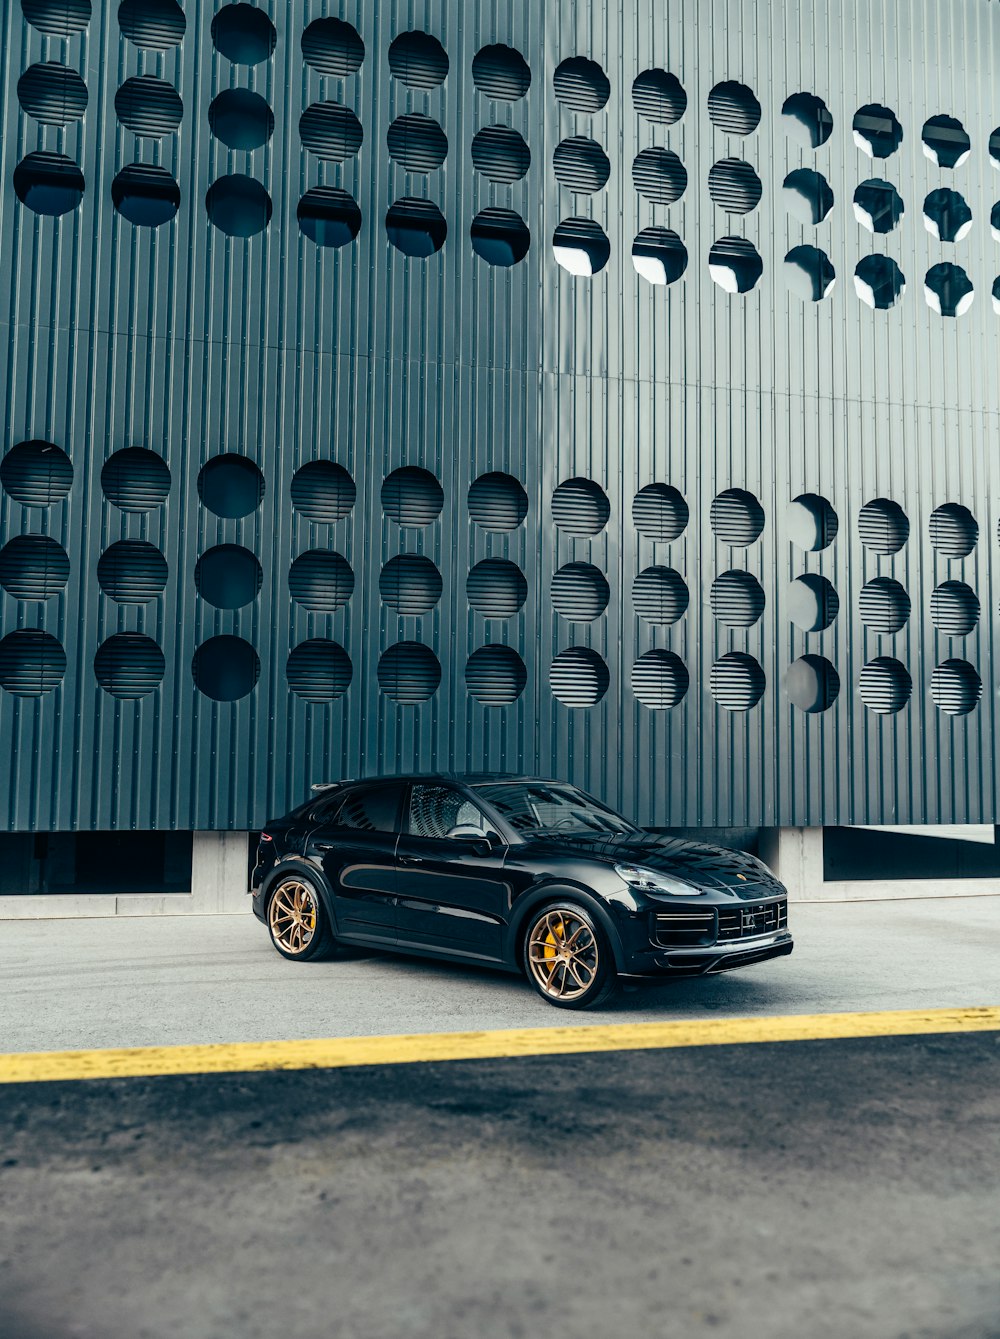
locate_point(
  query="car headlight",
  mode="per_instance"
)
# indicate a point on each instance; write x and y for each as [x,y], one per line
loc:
[653,881]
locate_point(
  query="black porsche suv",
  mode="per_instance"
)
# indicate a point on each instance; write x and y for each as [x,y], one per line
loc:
[515,873]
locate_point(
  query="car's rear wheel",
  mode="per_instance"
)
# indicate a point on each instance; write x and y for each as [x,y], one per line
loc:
[567,957]
[299,925]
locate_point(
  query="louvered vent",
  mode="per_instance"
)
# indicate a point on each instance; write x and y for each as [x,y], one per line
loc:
[412,497]
[733,108]
[52,93]
[58,18]
[228,576]
[884,605]
[495,676]
[409,673]
[734,186]
[883,526]
[319,670]
[496,588]
[321,580]
[581,85]
[954,609]
[581,165]
[417,143]
[132,571]
[885,686]
[145,195]
[659,175]
[659,255]
[135,479]
[808,119]
[954,531]
[579,677]
[48,183]
[500,236]
[243,34]
[418,60]
[737,682]
[329,216]
[580,507]
[33,567]
[333,47]
[231,486]
[416,227]
[501,72]
[580,592]
[148,106]
[156,25]
[241,119]
[410,584]
[660,680]
[737,599]
[500,154]
[31,663]
[811,522]
[876,131]
[660,512]
[734,264]
[956,687]
[129,665]
[737,518]
[36,473]
[812,684]
[225,668]
[323,491]
[330,131]
[660,595]
[659,97]
[813,603]
[498,502]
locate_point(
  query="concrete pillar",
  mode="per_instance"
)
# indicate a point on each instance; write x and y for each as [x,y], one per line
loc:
[796,856]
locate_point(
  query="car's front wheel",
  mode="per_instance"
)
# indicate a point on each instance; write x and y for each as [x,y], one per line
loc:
[299,925]
[567,957]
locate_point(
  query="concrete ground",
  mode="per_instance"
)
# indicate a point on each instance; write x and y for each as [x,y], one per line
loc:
[77,984]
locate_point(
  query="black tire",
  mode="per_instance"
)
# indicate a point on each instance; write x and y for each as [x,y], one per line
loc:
[567,957]
[296,916]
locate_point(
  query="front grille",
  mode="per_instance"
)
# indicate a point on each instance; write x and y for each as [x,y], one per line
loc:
[684,928]
[751,919]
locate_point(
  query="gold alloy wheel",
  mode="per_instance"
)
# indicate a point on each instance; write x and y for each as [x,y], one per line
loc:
[292,916]
[562,954]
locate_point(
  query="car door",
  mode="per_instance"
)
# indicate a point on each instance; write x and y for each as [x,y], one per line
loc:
[450,895]
[356,845]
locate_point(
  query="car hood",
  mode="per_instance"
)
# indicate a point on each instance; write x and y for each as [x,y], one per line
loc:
[698,863]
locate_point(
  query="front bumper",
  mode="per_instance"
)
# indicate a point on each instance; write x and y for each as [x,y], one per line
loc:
[709,960]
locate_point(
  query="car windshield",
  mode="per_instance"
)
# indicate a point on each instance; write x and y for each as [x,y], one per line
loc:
[535,807]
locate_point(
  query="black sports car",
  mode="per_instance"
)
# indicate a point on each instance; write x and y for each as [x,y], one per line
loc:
[515,873]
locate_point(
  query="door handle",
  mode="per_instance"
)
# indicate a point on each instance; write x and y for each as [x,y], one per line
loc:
[411,860]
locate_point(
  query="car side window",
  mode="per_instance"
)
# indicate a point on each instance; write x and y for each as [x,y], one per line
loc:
[435,810]
[370,809]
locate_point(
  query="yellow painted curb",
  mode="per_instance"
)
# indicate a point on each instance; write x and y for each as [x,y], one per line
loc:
[342,1052]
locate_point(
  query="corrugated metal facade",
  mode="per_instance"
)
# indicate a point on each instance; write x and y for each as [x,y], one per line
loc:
[192,343]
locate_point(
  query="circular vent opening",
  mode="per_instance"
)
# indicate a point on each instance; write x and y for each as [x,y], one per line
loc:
[660,595]
[323,492]
[581,247]
[319,670]
[660,513]
[809,273]
[330,131]
[659,97]
[580,592]
[129,665]
[812,684]
[883,526]
[31,663]
[238,206]
[321,580]
[579,677]
[495,676]
[57,18]
[948,290]
[885,686]
[228,576]
[659,175]
[409,673]
[580,507]
[500,237]
[808,196]
[660,680]
[659,255]
[135,479]
[813,603]
[945,141]
[734,186]
[947,216]
[412,496]
[581,165]
[737,681]
[410,584]
[416,227]
[581,85]
[876,131]
[884,606]
[417,143]
[243,34]
[954,531]
[501,72]
[241,120]
[156,25]
[146,196]
[737,518]
[52,93]
[33,567]
[734,265]
[956,687]
[333,47]
[734,108]
[500,154]
[498,502]
[225,668]
[954,608]
[132,571]
[496,588]
[48,183]
[878,206]
[328,216]
[231,486]
[36,474]
[811,522]
[737,599]
[418,60]
[149,106]
[807,120]
[879,282]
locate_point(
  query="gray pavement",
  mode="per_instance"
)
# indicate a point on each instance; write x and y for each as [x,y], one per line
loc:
[78,984]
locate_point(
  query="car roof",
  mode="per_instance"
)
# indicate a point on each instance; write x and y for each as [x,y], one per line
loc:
[459,778]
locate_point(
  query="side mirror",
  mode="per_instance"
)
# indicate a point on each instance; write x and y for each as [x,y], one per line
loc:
[481,842]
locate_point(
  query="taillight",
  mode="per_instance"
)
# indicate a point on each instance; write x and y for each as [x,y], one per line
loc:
[266,837]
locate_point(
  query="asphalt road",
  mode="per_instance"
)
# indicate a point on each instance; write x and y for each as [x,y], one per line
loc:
[108,983]
[804,1190]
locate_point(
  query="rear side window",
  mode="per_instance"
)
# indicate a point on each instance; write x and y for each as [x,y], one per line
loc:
[373,809]
[435,810]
